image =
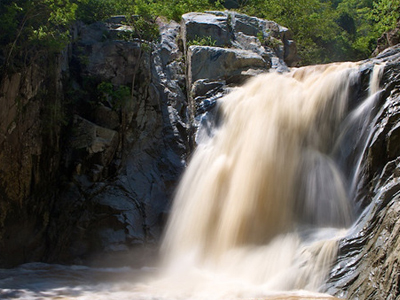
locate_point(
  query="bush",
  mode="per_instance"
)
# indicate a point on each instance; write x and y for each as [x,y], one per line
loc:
[30,28]
[203,41]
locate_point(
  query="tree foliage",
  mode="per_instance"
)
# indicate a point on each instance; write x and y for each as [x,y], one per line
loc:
[386,14]
[325,30]
[30,28]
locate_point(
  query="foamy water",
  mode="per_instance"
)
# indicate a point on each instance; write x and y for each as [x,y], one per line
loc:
[37,281]
[259,210]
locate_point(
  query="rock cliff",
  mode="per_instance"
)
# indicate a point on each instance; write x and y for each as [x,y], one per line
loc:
[94,142]
[31,125]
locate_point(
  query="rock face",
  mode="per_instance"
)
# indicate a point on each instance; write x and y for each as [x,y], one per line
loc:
[127,146]
[228,46]
[30,126]
[214,63]
[368,264]
[94,142]
[224,49]
[216,26]
[388,39]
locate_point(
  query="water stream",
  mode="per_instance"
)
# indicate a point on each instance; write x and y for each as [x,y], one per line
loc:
[261,206]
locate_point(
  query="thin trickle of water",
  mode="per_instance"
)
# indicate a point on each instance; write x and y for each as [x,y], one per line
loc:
[260,208]
[356,132]
[377,73]
[363,115]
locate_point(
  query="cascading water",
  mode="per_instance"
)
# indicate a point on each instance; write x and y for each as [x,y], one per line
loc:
[262,202]
[260,208]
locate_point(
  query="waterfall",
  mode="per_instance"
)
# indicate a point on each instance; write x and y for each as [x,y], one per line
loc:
[263,202]
[258,214]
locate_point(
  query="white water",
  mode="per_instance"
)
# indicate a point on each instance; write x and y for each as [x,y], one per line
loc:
[262,204]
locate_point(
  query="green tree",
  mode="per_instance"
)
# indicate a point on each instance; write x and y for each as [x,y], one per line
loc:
[325,30]
[95,10]
[353,16]
[312,22]
[30,28]
[329,30]
[386,14]
[90,11]
[174,9]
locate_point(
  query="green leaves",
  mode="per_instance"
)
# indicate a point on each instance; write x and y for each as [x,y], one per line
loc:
[325,30]
[202,41]
[116,96]
[90,11]
[96,10]
[60,12]
[385,13]
[31,28]
[330,30]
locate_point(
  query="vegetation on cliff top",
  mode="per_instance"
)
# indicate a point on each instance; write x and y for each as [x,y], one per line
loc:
[325,30]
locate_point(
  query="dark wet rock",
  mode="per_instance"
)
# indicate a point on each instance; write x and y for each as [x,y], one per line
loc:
[106,117]
[105,58]
[203,86]
[368,263]
[126,196]
[108,185]
[30,127]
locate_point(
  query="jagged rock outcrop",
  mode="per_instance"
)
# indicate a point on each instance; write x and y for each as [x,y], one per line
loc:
[228,46]
[126,153]
[238,31]
[224,49]
[388,39]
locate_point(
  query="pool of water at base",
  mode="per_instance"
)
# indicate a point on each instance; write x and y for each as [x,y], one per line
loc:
[40,281]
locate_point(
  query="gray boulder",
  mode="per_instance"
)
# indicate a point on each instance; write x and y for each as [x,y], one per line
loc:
[221,63]
[231,47]
[231,29]
[199,25]
[106,56]
[99,143]
[106,117]
[203,86]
